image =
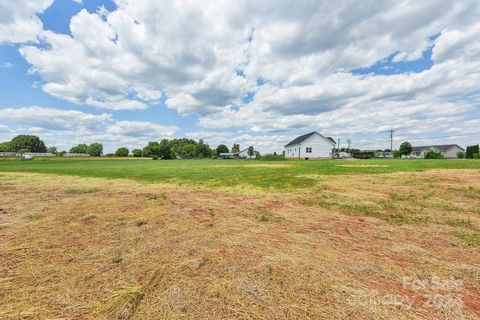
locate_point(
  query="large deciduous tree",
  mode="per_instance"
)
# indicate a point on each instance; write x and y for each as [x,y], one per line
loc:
[95,149]
[165,150]
[5,147]
[405,148]
[122,152]
[152,149]
[204,151]
[222,149]
[81,148]
[27,142]
[137,153]
[471,150]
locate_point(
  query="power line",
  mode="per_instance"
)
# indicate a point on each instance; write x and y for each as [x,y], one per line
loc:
[450,136]
[373,142]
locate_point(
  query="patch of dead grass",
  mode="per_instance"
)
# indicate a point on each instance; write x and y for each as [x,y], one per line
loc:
[137,251]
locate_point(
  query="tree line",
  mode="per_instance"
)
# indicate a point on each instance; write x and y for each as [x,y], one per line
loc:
[182,148]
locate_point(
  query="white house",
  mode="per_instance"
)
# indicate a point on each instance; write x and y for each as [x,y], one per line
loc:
[236,155]
[312,145]
[448,150]
[244,154]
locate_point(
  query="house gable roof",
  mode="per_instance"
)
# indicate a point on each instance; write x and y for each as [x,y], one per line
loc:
[300,139]
[441,147]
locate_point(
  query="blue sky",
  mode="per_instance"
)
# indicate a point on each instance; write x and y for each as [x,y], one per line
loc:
[125,73]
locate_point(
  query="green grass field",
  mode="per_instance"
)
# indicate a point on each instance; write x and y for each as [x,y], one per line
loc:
[228,173]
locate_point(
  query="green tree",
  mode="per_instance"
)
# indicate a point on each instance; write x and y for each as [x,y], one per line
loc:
[152,148]
[137,153]
[95,149]
[250,152]
[204,151]
[28,142]
[235,148]
[52,150]
[221,148]
[81,148]
[189,151]
[122,152]
[5,147]
[471,150]
[178,147]
[405,148]
[397,154]
[165,150]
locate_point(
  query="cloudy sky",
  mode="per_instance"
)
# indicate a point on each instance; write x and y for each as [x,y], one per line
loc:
[125,72]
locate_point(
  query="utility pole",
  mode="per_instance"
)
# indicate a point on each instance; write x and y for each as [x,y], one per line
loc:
[338,146]
[391,140]
[348,141]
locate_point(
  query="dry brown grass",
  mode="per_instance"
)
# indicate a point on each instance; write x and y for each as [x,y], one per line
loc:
[84,248]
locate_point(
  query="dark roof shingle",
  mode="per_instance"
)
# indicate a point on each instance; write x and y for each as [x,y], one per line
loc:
[441,147]
[300,139]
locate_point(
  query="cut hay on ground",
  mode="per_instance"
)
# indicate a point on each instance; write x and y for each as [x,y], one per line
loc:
[349,247]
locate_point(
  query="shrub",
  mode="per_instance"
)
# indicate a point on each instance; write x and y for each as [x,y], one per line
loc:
[460,155]
[154,157]
[476,156]
[434,155]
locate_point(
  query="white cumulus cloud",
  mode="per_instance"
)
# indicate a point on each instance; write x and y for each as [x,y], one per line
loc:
[18,20]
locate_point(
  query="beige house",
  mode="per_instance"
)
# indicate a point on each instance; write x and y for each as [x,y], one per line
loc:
[447,150]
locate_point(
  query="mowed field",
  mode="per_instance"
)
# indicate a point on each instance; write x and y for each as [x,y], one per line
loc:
[353,239]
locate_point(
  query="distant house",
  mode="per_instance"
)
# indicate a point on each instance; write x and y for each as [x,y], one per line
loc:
[312,145]
[244,154]
[447,150]
[384,154]
[236,155]
[228,155]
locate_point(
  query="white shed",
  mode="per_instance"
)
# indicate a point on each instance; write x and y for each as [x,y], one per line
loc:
[312,145]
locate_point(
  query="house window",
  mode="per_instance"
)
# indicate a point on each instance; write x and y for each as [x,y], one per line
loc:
[309,150]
